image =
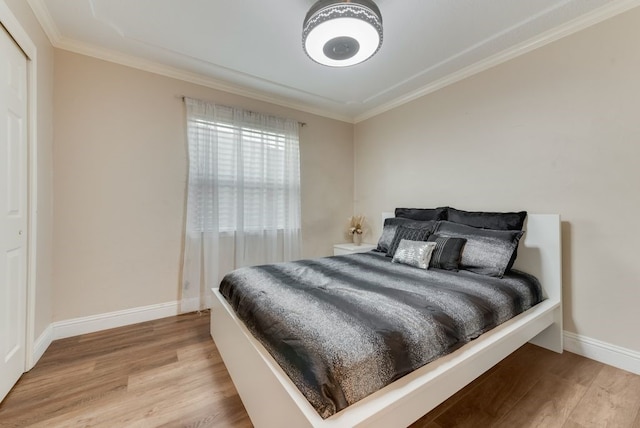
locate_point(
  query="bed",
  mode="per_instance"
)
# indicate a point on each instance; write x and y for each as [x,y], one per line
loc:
[272,399]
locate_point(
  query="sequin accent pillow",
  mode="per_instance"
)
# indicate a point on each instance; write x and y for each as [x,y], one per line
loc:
[414,253]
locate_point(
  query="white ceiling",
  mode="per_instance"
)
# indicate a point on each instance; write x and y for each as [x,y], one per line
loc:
[253,47]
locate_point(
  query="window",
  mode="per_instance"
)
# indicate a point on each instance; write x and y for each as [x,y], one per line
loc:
[243,195]
[244,170]
[252,182]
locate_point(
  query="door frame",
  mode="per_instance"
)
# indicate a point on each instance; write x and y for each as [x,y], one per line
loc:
[20,36]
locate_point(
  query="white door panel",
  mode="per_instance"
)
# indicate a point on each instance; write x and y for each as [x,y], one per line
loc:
[13,211]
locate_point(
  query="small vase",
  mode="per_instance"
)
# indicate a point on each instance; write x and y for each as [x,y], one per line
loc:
[357,238]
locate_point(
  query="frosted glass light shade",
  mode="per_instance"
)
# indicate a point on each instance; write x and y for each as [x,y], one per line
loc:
[342,33]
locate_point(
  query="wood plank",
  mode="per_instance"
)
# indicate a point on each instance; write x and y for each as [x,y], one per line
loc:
[428,419]
[499,392]
[576,368]
[613,400]
[548,404]
[169,373]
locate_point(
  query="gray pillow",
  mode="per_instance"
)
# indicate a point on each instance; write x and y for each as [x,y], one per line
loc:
[488,220]
[487,252]
[447,253]
[390,226]
[408,233]
[422,214]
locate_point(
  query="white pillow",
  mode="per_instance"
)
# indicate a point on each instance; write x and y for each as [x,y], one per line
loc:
[414,253]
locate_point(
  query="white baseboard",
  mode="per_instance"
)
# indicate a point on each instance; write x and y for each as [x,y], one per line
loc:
[93,323]
[41,344]
[603,352]
[606,353]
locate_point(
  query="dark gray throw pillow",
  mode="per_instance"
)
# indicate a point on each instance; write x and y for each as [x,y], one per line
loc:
[390,226]
[447,253]
[488,252]
[408,233]
[422,214]
[488,220]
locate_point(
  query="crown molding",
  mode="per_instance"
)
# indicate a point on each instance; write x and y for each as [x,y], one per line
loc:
[187,76]
[596,16]
[43,16]
[610,10]
[58,41]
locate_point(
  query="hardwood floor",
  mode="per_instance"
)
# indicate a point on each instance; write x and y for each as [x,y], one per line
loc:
[169,373]
[159,373]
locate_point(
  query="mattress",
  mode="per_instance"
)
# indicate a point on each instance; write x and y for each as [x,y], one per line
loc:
[344,327]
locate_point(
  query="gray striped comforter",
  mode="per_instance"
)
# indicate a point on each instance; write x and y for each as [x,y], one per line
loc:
[344,327]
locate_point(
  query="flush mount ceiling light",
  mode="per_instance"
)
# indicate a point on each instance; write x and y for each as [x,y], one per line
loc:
[342,33]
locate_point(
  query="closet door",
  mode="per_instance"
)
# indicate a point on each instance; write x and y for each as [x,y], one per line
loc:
[13,211]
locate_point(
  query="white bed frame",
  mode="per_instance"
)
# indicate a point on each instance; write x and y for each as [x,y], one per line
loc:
[272,400]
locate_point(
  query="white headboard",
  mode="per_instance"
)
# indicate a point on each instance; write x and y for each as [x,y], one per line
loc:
[539,253]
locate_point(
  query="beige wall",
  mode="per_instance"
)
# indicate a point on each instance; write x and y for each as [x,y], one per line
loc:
[44,222]
[554,131]
[120,172]
[562,122]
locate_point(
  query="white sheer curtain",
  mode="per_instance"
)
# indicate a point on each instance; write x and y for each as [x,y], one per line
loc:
[243,199]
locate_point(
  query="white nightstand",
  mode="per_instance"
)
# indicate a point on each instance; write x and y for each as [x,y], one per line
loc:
[350,248]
